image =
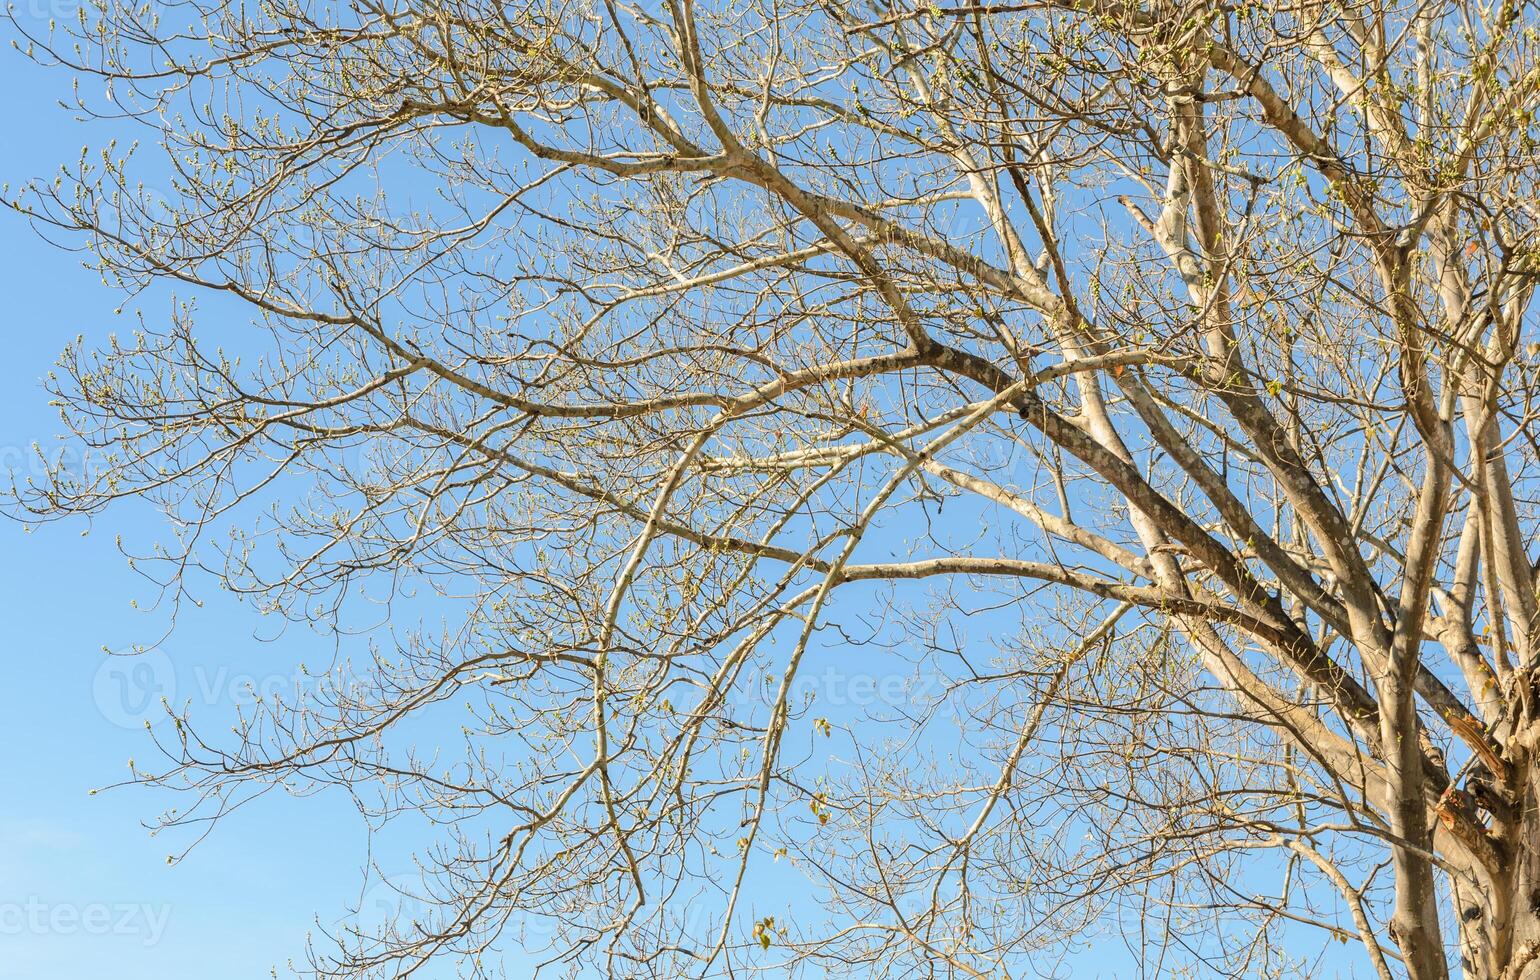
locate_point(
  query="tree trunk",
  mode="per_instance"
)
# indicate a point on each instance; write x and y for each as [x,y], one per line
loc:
[1499,920]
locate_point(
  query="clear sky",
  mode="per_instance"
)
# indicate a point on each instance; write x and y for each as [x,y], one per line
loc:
[85,891]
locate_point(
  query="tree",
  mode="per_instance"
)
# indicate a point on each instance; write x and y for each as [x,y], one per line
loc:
[1144,386]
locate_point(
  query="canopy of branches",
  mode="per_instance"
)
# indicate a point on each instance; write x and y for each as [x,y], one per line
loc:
[881,489]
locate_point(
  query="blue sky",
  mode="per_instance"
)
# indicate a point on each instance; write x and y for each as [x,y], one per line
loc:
[85,891]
